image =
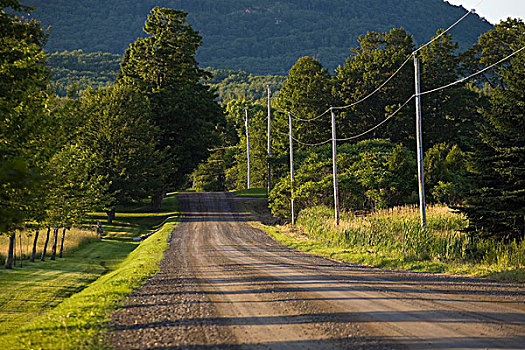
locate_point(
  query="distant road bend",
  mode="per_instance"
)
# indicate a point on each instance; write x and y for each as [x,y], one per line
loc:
[226,285]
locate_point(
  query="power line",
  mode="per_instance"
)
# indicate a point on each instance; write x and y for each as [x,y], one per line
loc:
[472,75]
[448,29]
[311,119]
[395,73]
[304,143]
[379,124]
[405,103]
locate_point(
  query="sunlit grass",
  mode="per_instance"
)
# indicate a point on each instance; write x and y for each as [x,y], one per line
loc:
[394,239]
[26,293]
[252,193]
[64,304]
[74,239]
[136,220]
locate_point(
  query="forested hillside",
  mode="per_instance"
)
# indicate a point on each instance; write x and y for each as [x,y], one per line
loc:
[76,71]
[82,70]
[261,37]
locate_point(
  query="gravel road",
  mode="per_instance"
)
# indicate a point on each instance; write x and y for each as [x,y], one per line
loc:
[226,285]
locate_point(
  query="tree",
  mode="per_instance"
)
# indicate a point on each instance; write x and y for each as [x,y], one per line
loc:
[117,132]
[306,93]
[496,205]
[23,81]
[73,189]
[378,56]
[373,174]
[163,67]
[449,115]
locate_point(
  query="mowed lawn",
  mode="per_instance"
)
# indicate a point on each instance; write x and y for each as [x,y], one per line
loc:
[28,293]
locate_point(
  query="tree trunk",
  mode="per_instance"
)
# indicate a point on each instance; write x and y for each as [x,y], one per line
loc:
[111,215]
[62,242]
[45,244]
[20,241]
[10,252]
[33,252]
[156,201]
[55,241]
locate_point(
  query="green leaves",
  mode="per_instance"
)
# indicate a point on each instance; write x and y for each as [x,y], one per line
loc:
[163,67]
[496,205]
[365,172]
[23,80]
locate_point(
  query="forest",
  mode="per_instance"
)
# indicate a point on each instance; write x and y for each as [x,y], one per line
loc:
[164,124]
[139,137]
[473,132]
[95,148]
[258,37]
[76,71]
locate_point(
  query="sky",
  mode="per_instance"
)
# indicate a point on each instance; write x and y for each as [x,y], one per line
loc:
[494,10]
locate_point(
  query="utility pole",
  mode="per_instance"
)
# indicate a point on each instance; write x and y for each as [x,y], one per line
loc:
[292,177]
[334,161]
[247,124]
[269,139]
[419,145]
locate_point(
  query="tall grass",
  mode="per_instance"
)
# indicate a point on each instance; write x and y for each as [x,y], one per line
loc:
[397,233]
[74,239]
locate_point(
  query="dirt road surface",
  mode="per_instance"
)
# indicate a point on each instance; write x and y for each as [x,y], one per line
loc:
[226,285]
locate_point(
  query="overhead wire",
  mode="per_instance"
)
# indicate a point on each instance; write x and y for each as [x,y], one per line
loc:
[395,73]
[408,100]
[472,75]
[448,29]
[380,123]
[310,119]
[388,80]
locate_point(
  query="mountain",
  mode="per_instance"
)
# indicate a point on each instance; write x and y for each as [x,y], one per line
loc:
[256,36]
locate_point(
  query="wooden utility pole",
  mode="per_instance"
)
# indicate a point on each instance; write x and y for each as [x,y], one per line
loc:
[269,140]
[247,124]
[334,161]
[292,177]
[419,145]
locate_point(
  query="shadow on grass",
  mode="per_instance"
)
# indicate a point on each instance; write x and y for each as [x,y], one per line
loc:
[135,219]
[516,274]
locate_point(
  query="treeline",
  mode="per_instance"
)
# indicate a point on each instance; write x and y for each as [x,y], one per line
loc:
[473,133]
[76,70]
[239,85]
[260,37]
[61,157]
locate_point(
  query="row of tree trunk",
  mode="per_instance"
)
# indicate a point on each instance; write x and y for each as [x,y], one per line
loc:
[11,250]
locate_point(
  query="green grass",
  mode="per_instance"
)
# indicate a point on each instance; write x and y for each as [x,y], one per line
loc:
[134,221]
[28,292]
[393,239]
[65,304]
[252,193]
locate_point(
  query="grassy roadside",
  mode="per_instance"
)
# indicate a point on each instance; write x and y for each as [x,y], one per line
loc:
[64,304]
[251,193]
[391,239]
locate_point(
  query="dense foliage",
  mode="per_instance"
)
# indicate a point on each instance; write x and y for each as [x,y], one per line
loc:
[260,37]
[23,81]
[496,204]
[472,155]
[162,66]
[239,85]
[61,157]
[76,70]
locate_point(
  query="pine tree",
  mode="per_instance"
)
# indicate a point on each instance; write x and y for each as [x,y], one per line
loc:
[496,207]
[163,67]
